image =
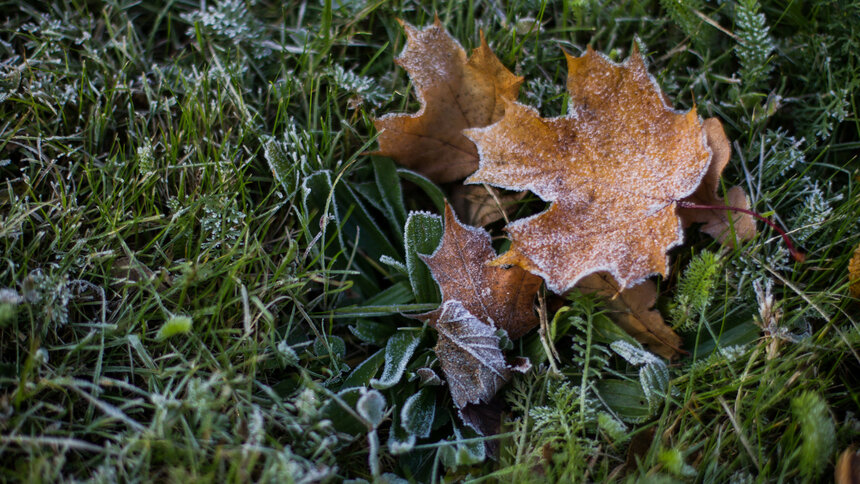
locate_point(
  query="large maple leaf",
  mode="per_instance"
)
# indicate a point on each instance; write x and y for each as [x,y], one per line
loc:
[455,93]
[500,298]
[614,169]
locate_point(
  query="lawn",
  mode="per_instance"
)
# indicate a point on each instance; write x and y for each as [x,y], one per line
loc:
[209,274]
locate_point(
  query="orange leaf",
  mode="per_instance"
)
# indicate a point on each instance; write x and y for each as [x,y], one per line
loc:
[501,298]
[848,467]
[614,169]
[455,94]
[854,273]
[631,310]
[716,222]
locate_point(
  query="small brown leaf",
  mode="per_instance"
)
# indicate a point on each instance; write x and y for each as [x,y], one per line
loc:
[718,223]
[455,94]
[485,419]
[125,270]
[631,311]
[848,467]
[640,444]
[854,273]
[614,168]
[469,353]
[128,271]
[501,298]
[481,205]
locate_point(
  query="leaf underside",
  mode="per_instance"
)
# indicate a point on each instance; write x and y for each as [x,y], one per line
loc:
[469,353]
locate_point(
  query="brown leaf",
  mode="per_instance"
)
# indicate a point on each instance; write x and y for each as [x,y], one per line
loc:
[640,444]
[469,353]
[614,169]
[854,273]
[848,467]
[501,298]
[631,310]
[485,419]
[717,222]
[455,94]
[481,205]
[125,270]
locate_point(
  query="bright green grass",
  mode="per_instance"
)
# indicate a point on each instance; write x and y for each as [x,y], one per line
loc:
[137,148]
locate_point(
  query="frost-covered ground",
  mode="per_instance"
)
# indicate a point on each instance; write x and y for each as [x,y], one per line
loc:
[198,257]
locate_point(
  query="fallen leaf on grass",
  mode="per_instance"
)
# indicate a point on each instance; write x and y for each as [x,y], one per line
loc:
[128,271]
[718,223]
[854,273]
[848,467]
[474,366]
[477,299]
[485,419]
[640,444]
[500,298]
[455,93]
[468,350]
[614,169]
[631,309]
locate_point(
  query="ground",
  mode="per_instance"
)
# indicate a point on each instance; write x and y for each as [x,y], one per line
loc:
[204,271]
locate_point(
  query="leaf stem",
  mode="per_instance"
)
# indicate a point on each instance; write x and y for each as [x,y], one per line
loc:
[795,254]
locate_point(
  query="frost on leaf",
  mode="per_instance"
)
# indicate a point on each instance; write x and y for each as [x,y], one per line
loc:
[631,310]
[398,352]
[371,406]
[455,93]
[428,377]
[469,353]
[719,223]
[498,297]
[614,168]
[418,413]
[654,374]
